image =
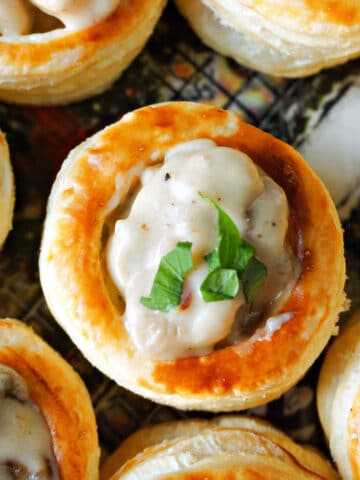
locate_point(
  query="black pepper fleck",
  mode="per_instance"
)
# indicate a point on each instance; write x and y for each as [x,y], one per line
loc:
[167,177]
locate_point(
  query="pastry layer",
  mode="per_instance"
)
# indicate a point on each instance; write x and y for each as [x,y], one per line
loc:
[7,191]
[95,180]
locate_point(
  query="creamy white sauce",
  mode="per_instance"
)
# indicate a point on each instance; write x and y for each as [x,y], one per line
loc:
[168,209]
[25,441]
[16,17]
[273,324]
[76,14]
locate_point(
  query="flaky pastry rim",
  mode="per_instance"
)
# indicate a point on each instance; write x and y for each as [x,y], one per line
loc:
[7,190]
[306,23]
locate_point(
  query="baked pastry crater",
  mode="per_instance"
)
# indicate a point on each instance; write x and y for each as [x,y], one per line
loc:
[83,300]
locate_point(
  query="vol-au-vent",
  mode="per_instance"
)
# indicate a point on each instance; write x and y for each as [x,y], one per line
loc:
[60,51]
[48,429]
[277,37]
[338,399]
[225,447]
[190,265]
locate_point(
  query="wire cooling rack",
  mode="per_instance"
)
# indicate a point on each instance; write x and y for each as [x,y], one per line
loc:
[175,65]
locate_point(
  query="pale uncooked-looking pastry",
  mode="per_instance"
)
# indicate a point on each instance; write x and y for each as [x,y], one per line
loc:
[226,447]
[200,355]
[48,428]
[48,60]
[278,37]
[338,399]
[7,194]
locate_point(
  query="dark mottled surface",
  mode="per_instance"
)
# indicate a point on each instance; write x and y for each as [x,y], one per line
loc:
[175,65]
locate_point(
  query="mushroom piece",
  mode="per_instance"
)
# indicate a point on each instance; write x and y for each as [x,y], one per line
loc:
[26,451]
[77,13]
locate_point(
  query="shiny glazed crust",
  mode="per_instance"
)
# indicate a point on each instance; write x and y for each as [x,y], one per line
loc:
[60,395]
[64,66]
[276,38]
[338,399]
[7,191]
[94,180]
[225,447]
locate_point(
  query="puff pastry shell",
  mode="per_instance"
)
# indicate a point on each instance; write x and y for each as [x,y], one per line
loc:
[94,180]
[63,66]
[7,194]
[276,37]
[226,447]
[339,399]
[60,395]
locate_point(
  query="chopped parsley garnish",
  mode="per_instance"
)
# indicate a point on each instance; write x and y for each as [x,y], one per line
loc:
[169,280]
[220,284]
[232,264]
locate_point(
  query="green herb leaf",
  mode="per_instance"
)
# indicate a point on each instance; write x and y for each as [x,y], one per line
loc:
[220,284]
[229,236]
[232,254]
[213,260]
[253,279]
[245,254]
[169,280]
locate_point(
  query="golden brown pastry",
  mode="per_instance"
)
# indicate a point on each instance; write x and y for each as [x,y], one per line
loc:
[338,399]
[100,259]
[63,51]
[226,447]
[7,194]
[48,429]
[278,38]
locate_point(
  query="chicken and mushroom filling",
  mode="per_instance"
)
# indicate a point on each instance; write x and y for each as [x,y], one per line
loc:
[26,450]
[20,17]
[180,203]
